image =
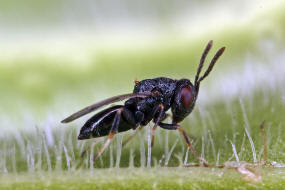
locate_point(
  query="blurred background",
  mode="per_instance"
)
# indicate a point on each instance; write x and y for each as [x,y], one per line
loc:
[59,56]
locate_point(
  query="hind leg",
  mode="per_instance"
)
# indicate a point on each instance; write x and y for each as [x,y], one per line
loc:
[89,148]
[112,133]
[129,116]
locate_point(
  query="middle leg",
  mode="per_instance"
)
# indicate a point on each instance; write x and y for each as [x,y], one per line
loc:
[158,119]
[161,116]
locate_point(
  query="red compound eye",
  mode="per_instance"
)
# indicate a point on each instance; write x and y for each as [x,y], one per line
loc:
[186,96]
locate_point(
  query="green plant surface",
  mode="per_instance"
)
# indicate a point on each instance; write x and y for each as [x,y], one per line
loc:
[133,178]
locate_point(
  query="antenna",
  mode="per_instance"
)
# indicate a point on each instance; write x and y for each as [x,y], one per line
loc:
[212,63]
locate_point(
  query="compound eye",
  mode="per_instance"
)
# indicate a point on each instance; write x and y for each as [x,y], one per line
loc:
[186,96]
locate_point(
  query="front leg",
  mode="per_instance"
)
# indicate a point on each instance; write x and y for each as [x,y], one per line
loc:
[189,144]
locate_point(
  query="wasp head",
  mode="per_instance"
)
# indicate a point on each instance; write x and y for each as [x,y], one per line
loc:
[184,100]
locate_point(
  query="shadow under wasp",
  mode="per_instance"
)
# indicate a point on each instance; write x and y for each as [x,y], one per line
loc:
[150,100]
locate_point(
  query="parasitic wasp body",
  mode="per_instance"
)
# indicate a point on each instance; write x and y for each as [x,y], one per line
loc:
[150,100]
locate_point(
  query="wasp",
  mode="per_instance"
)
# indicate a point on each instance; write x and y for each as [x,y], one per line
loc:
[150,100]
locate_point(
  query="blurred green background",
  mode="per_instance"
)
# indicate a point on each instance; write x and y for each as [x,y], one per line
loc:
[77,52]
[59,56]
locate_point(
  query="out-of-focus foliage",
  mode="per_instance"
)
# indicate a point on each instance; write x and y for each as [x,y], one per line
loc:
[37,76]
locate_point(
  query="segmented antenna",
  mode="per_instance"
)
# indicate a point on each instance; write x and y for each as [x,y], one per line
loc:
[212,63]
[202,60]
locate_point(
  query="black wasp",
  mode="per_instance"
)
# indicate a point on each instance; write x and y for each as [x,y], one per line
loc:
[150,100]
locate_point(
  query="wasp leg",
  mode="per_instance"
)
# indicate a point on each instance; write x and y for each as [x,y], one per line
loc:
[127,114]
[186,138]
[89,148]
[132,136]
[159,118]
[111,135]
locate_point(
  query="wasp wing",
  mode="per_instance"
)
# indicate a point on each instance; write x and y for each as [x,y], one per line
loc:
[95,106]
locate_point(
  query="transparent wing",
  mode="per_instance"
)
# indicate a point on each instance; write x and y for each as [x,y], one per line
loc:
[95,106]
